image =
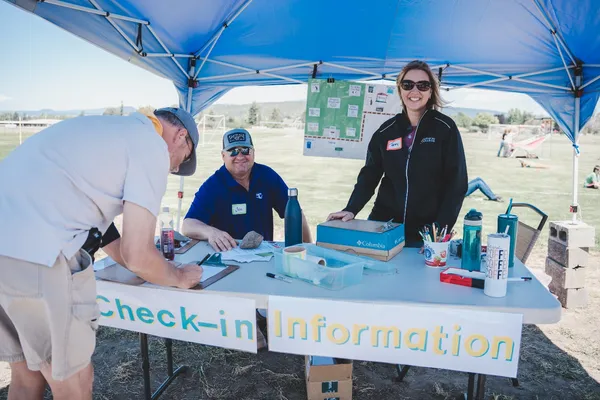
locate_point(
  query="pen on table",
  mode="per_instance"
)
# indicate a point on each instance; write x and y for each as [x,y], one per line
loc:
[521,279]
[278,277]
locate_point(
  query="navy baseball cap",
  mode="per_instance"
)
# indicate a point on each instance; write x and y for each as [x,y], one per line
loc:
[237,137]
[188,167]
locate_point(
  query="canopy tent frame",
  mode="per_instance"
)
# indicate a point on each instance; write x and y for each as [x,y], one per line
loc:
[528,86]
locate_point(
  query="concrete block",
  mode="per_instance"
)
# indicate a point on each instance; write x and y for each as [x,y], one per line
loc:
[568,257]
[566,278]
[570,298]
[571,234]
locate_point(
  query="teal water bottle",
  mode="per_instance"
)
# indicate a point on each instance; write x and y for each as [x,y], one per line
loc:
[512,222]
[293,219]
[471,252]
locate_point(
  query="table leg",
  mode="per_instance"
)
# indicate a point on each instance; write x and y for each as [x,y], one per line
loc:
[471,387]
[402,371]
[171,375]
[169,346]
[145,365]
[480,387]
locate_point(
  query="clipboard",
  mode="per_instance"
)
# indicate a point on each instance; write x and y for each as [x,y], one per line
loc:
[188,246]
[215,278]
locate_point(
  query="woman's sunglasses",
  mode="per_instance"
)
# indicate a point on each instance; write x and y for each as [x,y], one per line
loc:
[423,86]
[244,150]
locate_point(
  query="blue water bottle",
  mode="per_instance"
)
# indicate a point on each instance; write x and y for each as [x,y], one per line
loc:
[471,251]
[293,219]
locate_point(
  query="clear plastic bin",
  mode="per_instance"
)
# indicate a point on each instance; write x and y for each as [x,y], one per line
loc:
[341,270]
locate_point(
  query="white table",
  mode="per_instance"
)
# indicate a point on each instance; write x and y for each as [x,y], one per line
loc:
[412,283]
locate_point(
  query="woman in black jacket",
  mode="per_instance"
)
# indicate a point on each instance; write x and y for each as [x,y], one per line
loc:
[420,155]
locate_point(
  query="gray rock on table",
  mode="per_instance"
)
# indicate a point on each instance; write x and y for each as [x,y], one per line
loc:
[251,241]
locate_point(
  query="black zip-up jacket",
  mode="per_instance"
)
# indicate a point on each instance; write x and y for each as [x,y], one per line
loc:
[428,181]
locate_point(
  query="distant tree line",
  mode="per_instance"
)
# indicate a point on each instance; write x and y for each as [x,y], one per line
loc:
[482,121]
[14,116]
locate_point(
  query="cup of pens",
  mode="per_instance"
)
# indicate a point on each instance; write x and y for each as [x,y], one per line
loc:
[436,242]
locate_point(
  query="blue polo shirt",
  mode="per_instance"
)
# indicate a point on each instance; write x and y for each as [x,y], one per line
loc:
[225,204]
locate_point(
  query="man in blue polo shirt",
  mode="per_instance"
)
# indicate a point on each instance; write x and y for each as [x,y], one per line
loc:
[238,198]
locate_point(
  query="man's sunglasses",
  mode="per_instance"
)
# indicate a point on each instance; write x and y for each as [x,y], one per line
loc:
[423,86]
[244,150]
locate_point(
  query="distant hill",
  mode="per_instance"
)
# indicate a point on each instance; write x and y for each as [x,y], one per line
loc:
[69,113]
[296,108]
[289,109]
[470,112]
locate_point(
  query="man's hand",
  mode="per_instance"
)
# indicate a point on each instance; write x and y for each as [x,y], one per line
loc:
[345,216]
[189,276]
[221,240]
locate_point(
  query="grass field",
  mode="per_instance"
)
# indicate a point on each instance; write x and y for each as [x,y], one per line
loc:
[560,361]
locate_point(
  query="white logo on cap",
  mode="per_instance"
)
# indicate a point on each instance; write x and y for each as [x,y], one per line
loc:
[236,137]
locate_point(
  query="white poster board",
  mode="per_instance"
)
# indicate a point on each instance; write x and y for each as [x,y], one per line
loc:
[341,116]
[191,317]
[453,339]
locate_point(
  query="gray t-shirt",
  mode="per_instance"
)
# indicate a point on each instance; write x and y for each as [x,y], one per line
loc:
[74,176]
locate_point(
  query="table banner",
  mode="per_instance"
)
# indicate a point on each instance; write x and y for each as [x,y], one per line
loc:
[438,337]
[192,317]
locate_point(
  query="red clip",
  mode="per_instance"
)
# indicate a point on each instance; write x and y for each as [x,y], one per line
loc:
[180,195]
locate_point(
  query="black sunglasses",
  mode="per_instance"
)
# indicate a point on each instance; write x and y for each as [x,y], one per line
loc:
[423,86]
[244,150]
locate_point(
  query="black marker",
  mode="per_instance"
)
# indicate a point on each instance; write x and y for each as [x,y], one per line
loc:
[206,257]
[279,277]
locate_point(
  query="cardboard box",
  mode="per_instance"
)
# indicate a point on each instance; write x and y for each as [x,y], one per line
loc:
[362,237]
[328,380]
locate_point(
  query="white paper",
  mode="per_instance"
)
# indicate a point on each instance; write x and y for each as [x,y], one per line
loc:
[209,271]
[333,102]
[313,127]
[315,87]
[354,90]
[352,111]
[351,132]
[249,255]
[381,98]
[314,112]
[205,318]
[436,337]
[332,132]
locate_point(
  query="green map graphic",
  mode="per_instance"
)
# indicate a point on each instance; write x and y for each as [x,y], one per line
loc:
[334,110]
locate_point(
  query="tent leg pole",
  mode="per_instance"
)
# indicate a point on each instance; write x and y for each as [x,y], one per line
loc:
[576,159]
[188,108]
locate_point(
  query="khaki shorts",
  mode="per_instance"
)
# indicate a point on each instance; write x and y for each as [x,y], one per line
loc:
[48,316]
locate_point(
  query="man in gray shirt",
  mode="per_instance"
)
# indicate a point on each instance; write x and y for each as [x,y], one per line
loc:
[56,188]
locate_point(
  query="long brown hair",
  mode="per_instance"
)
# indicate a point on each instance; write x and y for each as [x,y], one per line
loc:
[435,101]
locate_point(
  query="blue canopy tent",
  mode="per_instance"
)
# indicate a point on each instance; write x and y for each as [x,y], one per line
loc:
[548,49]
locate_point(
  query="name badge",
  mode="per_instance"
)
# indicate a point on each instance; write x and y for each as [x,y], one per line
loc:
[395,144]
[238,209]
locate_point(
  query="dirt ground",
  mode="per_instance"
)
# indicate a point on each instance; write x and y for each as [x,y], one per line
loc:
[560,361]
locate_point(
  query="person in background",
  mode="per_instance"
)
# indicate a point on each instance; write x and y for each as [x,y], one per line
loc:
[59,195]
[592,181]
[479,184]
[416,158]
[504,145]
[238,198]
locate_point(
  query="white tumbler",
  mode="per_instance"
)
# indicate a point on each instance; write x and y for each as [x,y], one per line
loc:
[497,258]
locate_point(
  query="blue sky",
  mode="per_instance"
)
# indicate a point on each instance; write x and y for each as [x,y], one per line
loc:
[45,67]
